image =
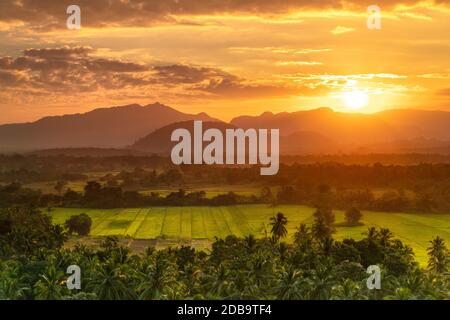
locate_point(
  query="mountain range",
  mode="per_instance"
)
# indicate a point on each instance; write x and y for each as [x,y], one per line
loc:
[102,128]
[147,129]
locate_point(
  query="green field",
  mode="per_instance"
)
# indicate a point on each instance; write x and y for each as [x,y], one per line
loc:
[197,224]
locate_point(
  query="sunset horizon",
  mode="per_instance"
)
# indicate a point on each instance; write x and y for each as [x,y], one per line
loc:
[218,60]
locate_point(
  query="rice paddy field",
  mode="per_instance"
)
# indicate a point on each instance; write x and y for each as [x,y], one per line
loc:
[201,224]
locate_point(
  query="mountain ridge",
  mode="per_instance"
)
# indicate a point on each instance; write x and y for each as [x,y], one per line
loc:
[102,127]
[321,130]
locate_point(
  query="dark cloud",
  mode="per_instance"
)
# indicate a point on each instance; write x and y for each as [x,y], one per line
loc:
[11,78]
[101,65]
[178,73]
[52,14]
[219,83]
[58,53]
[75,70]
[236,88]
[69,68]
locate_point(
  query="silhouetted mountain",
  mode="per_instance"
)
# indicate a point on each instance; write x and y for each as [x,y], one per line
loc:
[400,130]
[106,127]
[307,142]
[319,131]
[158,142]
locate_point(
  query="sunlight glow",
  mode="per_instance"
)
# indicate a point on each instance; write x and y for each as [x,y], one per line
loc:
[355,100]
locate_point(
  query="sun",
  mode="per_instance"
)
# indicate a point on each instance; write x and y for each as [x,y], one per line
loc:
[355,100]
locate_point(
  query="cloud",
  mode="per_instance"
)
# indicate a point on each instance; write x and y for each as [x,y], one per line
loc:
[74,70]
[221,84]
[45,14]
[185,74]
[341,30]
[435,76]
[299,63]
[11,78]
[69,69]
[64,52]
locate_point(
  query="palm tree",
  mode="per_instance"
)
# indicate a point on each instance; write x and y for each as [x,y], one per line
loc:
[348,290]
[156,279]
[50,285]
[278,224]
[372,234]
[322,281]
[385,236]
[250,242]
[12,283]
[218,281]
[59,235]
[261,270]
[303,239]
[401,294]
[108,283]
[320,229]
[438,256]
[288,285]
[190,276]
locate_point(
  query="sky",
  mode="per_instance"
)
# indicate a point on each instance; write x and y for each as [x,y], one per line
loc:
[223,57]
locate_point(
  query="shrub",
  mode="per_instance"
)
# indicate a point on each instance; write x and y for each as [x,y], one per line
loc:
[80,224]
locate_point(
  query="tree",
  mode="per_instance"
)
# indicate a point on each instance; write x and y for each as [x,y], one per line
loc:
[288,285]
[59,186]
[302,237]
[327,214]
[438,256]
[353,216]
[59,235]
[217,282]
[156,279]
[278,224]
[108,283]
[385,236]
[321,230]
[250,242]
[92,191]
[80,224]
[347,290]
[49,285]
[372,234]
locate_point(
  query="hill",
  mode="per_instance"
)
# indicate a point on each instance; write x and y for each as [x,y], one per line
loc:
[300,142]
[105,127]
[387,131]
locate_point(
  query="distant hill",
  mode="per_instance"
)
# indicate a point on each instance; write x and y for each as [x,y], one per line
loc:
[158,142]
[147,129]
[387,131]
[307,142]
[105,127]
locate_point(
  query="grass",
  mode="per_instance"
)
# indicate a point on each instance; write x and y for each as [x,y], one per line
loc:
[196,224]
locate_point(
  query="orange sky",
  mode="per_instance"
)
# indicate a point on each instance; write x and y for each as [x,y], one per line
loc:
[225,57]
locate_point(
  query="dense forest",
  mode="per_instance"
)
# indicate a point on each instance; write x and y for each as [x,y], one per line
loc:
[414,188]
[33,263]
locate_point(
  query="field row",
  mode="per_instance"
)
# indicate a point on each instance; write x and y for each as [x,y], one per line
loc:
[187,223]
